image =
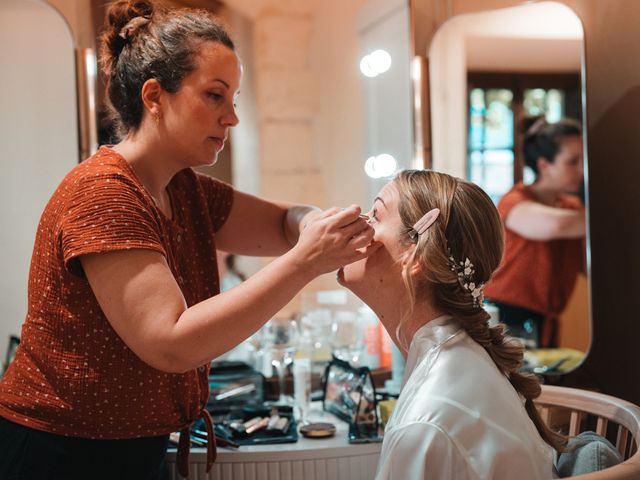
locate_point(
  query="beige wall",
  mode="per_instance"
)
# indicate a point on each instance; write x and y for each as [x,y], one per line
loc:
[78,16]
[338,127]
[300,136]
[38,133]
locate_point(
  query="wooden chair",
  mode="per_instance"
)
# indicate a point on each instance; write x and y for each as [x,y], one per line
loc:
[574,411]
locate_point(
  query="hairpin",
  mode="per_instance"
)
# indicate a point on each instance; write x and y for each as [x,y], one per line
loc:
[132,26]
[536,126]
[424,223]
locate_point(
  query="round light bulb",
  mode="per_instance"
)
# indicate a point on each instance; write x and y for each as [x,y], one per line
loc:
[368,167]
[380,166]
[385,165]
[380,61]
[366,67]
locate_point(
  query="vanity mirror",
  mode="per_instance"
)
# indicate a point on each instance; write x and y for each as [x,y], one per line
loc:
[610,100]
[499,79]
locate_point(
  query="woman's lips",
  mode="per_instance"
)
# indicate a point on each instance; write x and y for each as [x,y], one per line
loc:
[218,141]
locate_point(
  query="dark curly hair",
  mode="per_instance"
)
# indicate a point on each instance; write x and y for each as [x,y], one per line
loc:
[142,41]
[543,140]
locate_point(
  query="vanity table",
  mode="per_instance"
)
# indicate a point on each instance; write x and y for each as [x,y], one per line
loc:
[312,459]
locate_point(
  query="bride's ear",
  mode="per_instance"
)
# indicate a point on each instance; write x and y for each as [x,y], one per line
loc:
[409,262]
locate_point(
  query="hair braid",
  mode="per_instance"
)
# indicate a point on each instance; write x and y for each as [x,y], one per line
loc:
[507,354]
[470,228]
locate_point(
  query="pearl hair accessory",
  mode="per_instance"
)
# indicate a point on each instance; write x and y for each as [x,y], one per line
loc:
[465,272]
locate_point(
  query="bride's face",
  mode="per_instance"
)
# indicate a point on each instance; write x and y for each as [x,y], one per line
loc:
[377,272]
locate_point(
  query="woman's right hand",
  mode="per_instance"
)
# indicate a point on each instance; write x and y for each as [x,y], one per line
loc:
[333,239]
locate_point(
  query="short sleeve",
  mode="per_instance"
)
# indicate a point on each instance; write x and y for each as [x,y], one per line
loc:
[106,212]
[572,202]
[510,200]
[219,197]
[421,451]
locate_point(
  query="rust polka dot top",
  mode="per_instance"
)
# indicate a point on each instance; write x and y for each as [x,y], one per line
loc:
[72,374]
[536,275]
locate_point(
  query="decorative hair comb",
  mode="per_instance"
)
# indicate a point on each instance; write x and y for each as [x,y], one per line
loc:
[536,126]
[424,223]
[132,27]
[466,274]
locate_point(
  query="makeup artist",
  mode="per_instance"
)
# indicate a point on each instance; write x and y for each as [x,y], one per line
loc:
[545,229]
[124,314]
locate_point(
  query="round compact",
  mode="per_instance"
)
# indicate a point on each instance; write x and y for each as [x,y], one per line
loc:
[318,430]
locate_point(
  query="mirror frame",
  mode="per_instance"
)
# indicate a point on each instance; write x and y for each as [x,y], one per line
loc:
[611,100]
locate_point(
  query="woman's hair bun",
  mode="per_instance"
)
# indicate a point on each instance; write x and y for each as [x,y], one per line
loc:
[115,36]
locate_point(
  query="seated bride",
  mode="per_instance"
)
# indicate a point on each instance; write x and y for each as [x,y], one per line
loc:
[465,411]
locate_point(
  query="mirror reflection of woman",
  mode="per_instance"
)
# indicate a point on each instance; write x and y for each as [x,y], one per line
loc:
[465,412]
[124,311]
[544,234]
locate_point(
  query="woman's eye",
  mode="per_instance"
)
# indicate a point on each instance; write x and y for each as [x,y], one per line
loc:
[374,216]
[215,96]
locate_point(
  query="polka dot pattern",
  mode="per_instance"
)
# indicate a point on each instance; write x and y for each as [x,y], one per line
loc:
[72,374]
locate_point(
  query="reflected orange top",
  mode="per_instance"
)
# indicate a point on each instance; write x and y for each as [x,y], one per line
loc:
[536,275]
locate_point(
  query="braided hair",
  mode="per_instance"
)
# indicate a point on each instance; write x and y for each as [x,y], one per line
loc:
[468,227]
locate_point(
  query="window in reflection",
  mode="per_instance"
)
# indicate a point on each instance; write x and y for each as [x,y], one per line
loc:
[490,161]
[497,101]
[550,103]
[483,67]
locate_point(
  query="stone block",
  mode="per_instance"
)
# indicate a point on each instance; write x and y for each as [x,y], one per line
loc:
[291,7]
[254,9]
[286,94]
[282,41]
[287,147]
[300,187]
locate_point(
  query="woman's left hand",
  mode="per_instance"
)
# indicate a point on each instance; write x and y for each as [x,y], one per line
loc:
[333,239]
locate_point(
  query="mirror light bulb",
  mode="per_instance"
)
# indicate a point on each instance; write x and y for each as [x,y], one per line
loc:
[380,166]
[377,62]
[368,167]
[381,61]
[366,68]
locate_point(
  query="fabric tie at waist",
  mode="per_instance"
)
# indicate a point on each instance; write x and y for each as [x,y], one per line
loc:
[185,443]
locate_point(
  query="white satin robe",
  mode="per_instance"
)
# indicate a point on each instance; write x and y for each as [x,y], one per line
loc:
[458,417]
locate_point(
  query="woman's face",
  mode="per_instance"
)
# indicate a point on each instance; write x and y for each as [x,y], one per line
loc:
[566,173]
[197,117]
[380,273]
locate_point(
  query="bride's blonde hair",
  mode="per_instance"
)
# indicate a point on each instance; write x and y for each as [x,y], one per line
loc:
[468,227]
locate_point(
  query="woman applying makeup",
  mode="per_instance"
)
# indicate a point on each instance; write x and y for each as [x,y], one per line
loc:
[545,228]
[124,314]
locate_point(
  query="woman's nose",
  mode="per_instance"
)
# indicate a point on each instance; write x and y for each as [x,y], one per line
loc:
[231,120]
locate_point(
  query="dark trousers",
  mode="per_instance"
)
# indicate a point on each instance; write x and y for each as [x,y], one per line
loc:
[537,330]
[28,454]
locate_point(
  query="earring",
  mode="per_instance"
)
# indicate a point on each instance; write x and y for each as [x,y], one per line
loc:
[156,117]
